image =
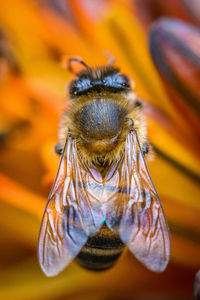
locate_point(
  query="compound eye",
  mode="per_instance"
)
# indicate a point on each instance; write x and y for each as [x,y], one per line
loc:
[79,86]
[117,81]
[123,81]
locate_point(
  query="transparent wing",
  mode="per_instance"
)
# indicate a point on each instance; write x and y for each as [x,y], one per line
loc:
[136,213]
[69,217]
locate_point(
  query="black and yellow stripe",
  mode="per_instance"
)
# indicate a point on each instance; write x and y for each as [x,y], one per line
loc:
[101,250]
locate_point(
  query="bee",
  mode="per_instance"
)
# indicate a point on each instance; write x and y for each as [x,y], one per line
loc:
[103,198]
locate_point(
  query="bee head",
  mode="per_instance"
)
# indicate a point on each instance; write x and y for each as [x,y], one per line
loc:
[100,79]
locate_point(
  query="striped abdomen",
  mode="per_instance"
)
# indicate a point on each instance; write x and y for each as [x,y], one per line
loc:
[101,251]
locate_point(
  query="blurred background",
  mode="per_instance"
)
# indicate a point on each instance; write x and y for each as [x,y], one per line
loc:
[155,42]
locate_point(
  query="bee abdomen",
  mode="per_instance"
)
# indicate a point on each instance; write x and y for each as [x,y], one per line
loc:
[101,251]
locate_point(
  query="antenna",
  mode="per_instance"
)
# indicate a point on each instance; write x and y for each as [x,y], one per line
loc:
[75,59]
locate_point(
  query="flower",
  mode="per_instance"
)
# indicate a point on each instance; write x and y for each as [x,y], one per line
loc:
[35,35]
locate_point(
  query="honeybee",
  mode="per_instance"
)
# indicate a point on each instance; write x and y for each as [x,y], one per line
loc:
[103,198]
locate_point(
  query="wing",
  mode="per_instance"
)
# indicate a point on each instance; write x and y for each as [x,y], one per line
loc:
[138,217]
[69,216]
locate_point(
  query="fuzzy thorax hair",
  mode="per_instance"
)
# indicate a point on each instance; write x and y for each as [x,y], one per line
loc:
[104,153]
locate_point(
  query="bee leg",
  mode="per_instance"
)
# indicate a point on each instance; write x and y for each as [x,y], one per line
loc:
[130,123]
[145,148]
[58,149]
[138,103]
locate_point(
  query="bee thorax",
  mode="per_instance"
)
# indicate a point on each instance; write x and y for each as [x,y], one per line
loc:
[100,120]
